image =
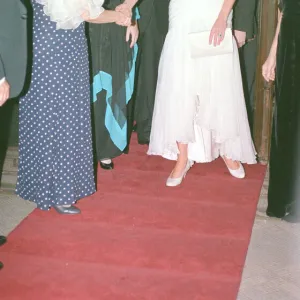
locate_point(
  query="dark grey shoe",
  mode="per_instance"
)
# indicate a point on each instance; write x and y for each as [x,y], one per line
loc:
[72,210]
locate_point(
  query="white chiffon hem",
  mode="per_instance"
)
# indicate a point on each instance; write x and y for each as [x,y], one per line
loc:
[205,149]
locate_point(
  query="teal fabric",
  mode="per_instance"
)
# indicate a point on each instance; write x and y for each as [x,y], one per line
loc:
[103,81]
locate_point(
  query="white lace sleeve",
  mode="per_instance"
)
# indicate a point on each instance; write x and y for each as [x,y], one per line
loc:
[67,13]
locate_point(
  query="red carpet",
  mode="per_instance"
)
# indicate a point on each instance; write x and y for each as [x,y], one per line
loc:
[137,239]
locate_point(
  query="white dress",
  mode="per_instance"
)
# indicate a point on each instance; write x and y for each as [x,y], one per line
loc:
[200,101]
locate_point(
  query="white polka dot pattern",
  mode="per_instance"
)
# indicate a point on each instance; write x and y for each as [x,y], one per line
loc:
[56,163]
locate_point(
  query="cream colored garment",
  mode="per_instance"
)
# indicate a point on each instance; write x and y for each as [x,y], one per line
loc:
[67,13]
[199,102]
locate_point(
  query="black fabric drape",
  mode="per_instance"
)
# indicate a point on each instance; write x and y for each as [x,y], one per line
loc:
[284,188]
[154,27]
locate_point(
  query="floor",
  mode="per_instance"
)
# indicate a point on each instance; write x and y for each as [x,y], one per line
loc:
[272,270]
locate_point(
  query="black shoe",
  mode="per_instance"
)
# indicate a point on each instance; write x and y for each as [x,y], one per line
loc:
[1,265]
[275,215]
[109,166]
[2,240]
[71,210]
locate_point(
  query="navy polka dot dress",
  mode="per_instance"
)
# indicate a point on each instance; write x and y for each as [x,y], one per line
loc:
[56,163]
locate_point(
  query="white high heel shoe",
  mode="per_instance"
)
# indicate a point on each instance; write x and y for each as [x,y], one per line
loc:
[172,182]
[238,173]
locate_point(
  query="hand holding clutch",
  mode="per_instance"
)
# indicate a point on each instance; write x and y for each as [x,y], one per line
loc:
[217,32]
[201,46]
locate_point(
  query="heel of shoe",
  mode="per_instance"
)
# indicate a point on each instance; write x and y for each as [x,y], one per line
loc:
[172,182]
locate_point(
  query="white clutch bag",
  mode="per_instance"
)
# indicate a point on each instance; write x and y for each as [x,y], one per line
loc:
[200,47]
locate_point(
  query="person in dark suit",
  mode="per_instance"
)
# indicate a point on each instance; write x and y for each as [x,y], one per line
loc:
[13,61]
[13,48]
[153,27]
[245,30]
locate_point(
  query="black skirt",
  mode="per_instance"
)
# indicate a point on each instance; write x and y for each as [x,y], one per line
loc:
[113,67]
[284,188]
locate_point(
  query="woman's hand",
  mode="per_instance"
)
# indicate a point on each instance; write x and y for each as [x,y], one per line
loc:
[269,68]
[86,16]
[108,16]
[132,34]
[217,32]
[240,37]
[125,9]
[123,20]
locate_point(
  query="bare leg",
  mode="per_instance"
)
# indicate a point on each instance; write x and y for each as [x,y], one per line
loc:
[181,160]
